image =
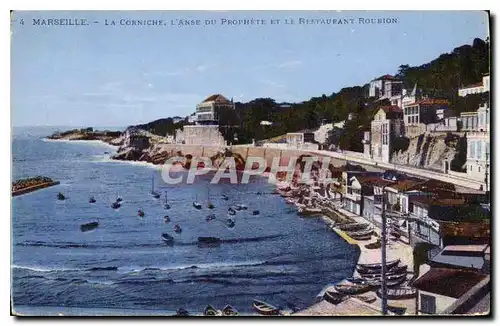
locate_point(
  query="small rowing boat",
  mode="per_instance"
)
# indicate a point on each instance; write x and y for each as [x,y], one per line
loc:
[140,213]
[333,297]
[115,205]
[229,310]
[404,292]
[92,200]
[241,207]
[60,196]
[230,223]
[368,298]
[167,238]
[231,211]
[88,226]
[182,312]
[211,311]
[166,219]
[378,273]
[256,212]
[210,217]
[177,228]
[265,308]
[376,266]
[196,205]
[352,288]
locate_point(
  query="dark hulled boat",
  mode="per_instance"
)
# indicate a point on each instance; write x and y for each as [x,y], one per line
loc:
[210,311]
[377,266]
[182,312]
[119,199]
[92,200]
[352,288]
[256,212]
[265,308]
[196,205]
[89,226]
[224,197]
[333,297]
[210,217]
[230,223]
[167,238]
[60,196]
[229,310]
[177,228]
[231,211]
[115,205]
[378,273]
[166,219]
[140,213]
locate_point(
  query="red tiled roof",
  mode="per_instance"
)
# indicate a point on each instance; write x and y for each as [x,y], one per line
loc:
[448,282]
[217,98]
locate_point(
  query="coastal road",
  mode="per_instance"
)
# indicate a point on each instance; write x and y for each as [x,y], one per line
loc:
[456,180]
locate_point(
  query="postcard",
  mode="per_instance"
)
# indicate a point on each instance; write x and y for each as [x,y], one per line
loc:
[250,163]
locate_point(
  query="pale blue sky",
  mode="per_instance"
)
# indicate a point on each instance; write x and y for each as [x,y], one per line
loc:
[115,76]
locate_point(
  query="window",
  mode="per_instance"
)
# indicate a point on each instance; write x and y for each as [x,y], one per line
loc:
[478,150]
[428,304]
[478,169]
[472,149]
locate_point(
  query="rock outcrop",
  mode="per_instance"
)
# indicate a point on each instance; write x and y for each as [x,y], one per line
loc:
[428,151]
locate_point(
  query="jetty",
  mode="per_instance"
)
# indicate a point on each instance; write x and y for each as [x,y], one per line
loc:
[24,186]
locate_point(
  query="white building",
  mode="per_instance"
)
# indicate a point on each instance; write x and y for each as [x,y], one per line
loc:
[386,125]
[482,87]
[385,86]
[478,148]
[207,112]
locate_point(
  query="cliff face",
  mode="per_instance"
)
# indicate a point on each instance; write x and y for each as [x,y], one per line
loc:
[428,151]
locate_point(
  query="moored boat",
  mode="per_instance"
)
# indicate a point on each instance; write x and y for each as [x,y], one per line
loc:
[196,205]
[397,270]
[376,266]
[231,211]
[115,205]
[177,228]
[360,233]
[256,212]
[182,312]
[265,308]
[352,288]
[140,213]
[119,199]
[210,217]
[368,298]
[166,219]
[166,205]
[334,297]
[229,310]
[224,197]
[241,207]
[404,292]
[92,200]
[89,226]
[352,226]
[230,223]
[167,238]
[60,196]
[211,311]
[361,237]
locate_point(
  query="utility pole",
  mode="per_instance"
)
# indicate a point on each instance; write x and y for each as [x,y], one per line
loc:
[384,251]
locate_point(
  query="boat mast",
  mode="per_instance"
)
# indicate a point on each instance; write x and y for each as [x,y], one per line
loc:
[383,243]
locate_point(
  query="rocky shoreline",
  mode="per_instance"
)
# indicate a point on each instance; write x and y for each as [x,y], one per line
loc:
[24,186]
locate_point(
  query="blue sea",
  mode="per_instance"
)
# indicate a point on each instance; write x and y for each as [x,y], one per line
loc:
[123,266]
